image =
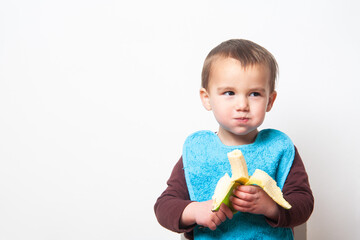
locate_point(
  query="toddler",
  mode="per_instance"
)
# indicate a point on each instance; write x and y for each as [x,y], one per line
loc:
[238,86]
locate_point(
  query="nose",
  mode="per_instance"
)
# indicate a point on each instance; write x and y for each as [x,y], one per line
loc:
[242,104]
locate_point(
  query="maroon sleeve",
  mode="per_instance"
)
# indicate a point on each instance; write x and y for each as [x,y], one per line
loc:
[172,202]
[298,193]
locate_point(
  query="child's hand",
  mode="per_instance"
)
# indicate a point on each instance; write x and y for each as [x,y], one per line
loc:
[253,199]
[201,214]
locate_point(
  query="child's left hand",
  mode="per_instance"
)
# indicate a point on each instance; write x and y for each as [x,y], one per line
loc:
[253,199]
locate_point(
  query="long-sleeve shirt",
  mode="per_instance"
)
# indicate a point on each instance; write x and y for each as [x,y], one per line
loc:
[172,202]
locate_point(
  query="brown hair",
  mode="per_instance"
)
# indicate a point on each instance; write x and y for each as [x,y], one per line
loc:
[247,52]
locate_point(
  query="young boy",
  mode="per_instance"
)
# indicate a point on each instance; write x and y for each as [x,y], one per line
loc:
[238,86]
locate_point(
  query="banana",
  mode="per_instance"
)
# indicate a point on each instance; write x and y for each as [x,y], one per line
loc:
[268,184]
[238,166]
[226,185]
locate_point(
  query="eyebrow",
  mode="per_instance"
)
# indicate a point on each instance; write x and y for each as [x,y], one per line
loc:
[260,89]
[224,89]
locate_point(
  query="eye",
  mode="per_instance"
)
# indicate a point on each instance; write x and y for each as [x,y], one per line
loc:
[255,94]
[229,93]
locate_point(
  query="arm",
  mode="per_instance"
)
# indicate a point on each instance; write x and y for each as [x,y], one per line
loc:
[172,202]
[298,193]
[176,212]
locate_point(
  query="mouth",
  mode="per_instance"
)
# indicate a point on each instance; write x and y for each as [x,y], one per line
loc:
[242,119]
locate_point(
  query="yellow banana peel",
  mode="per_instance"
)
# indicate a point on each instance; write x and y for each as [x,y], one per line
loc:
[226,185]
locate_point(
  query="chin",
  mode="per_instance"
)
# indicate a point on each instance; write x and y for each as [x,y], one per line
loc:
[244,132]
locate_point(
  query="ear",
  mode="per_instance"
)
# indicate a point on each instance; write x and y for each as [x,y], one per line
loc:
[205,99]
[271,101]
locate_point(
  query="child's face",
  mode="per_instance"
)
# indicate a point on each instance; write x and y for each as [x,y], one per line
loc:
[239,99]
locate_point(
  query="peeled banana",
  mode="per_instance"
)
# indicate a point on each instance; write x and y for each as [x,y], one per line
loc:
[238,166]
[226,185]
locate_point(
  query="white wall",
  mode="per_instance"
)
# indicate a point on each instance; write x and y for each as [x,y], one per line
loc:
[97,97]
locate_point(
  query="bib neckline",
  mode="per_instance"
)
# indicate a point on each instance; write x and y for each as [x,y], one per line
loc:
[250,145]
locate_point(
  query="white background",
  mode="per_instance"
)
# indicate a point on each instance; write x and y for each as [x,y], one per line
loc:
[97,97]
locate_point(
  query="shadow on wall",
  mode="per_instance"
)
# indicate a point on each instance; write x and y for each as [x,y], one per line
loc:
[300,232]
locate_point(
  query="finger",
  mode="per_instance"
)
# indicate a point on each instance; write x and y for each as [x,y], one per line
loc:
[227,211]
[212,226]
[215,221]
[244,195]
[248,189]
[218,217]
[240,204]
[221,216]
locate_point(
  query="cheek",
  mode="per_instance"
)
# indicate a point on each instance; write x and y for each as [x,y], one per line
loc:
[260,109]
[221,112]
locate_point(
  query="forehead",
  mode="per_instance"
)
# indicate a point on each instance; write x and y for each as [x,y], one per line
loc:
[229,70]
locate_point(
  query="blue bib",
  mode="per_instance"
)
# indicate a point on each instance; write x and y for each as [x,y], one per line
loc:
[205,162]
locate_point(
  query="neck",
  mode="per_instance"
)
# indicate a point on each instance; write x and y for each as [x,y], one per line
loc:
[231,139]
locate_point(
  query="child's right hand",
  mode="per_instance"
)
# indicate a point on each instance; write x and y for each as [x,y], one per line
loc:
[201,214]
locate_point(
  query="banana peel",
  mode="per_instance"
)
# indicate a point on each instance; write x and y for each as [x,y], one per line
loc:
[226,185]
[223,191]
[268,184]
